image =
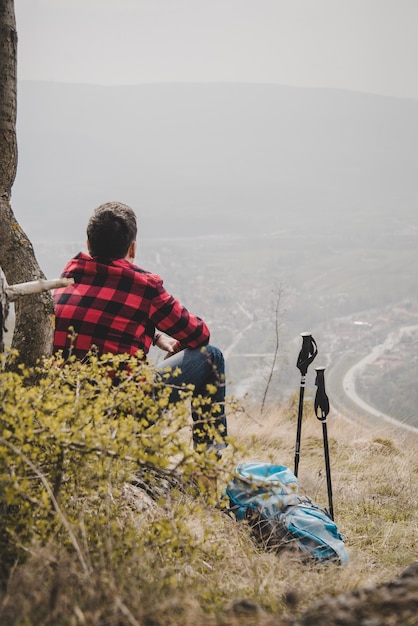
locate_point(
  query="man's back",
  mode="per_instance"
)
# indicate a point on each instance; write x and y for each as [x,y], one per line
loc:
[115,306]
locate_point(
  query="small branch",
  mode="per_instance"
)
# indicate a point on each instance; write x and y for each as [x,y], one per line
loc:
[55,504]
[126,612]
[13,292]
[276,347]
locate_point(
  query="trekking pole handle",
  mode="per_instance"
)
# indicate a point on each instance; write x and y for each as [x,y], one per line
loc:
[321,399]
[307,353]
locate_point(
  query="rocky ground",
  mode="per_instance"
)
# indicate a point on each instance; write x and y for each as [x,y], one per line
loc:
[394,603]
[387,604]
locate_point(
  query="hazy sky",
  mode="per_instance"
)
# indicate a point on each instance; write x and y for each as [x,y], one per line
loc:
[362,45]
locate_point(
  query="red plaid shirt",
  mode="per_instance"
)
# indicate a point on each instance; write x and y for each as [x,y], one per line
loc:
[116,306]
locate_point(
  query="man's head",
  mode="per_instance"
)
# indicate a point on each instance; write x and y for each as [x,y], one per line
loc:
[111,230]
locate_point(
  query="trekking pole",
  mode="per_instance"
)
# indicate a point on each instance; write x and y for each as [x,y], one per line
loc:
[306,356]
[321,412]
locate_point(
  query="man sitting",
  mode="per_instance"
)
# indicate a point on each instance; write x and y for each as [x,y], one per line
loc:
[116,307]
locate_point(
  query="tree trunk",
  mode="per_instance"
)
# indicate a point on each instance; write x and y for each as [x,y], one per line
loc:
[33,327]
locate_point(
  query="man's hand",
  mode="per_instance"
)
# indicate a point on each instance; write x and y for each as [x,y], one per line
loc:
[169,345]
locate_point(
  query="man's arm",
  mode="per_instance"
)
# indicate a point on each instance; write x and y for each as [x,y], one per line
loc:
[170,317]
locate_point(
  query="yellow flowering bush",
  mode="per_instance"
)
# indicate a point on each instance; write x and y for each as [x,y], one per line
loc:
[72,435]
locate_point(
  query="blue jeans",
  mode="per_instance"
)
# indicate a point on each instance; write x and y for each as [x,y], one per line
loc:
[200,367]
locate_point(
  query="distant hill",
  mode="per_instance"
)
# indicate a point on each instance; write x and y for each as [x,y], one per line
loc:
[214,158]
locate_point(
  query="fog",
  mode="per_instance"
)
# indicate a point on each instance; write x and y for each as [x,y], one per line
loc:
[214,159]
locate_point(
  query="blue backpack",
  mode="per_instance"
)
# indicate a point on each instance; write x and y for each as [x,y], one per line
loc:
[266,496]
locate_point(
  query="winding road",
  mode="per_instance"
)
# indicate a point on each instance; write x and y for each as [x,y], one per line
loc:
[342,382]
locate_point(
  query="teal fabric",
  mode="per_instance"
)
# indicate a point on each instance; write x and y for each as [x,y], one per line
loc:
[272,491]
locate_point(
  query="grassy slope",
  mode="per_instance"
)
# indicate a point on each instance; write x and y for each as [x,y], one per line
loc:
[374,479]
[375,484]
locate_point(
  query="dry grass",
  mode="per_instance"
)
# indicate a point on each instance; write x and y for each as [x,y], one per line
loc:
[226,579]
[375,490]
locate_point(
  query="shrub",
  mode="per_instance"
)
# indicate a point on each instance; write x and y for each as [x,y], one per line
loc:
[69,443]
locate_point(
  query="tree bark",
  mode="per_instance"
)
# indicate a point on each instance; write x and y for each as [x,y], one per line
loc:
[34,314]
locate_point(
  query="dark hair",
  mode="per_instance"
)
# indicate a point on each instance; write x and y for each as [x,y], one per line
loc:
[111,230]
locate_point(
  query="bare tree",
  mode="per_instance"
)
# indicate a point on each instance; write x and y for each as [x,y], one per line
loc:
[277,313]
[33,327]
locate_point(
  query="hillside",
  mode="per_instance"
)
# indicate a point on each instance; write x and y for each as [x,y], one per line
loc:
[242,192]
[235,287]
[119,553]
